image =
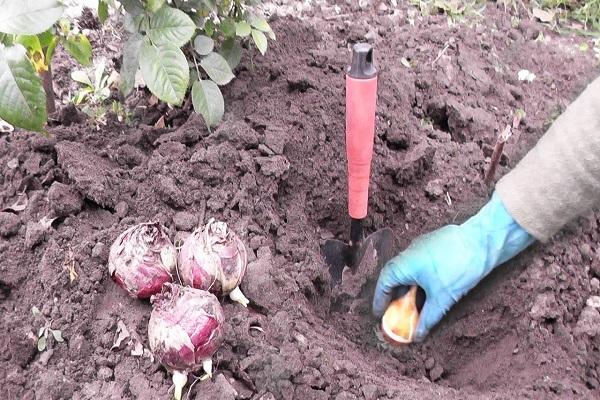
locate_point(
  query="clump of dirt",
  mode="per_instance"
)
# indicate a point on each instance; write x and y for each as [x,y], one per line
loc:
[275,171]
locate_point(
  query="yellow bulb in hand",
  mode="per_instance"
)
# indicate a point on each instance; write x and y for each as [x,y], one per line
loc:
[400,320]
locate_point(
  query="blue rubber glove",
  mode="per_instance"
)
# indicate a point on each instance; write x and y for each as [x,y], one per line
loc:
[449,262]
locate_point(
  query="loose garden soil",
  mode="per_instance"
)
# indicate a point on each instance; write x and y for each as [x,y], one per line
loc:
[275,171]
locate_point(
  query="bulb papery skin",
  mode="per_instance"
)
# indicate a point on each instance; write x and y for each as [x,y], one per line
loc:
[400,320]
[185,327]
[142,259]
[213,258]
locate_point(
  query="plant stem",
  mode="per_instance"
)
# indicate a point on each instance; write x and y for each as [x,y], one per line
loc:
[207,366]
[195,61]
[496,155]
[237,295]
[47,82]
[179,381]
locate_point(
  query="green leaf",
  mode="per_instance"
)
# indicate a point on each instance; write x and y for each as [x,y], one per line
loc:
[31,42]
[99,74]
[35,311]
[203,45]
[170,26]
[242,28]
[227,27]
[130,64]
[79,47]
[34,51]
[209,28]
[41,344]
[165,71]
[217,68]
[102,11]
[22,96]
[208,101]
[232,52]
[81,77]
[154,5]
[260,40]
[50,49]
[80,95]
[57,335]
[260,23]
[141,23]
[28,17]
[46,38]
[6,39]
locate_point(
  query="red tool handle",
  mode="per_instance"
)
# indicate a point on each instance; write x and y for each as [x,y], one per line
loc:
[361,101]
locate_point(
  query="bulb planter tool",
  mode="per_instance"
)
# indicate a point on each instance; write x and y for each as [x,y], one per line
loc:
[361,102]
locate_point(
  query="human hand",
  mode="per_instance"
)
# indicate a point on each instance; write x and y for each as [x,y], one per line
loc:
[449,262]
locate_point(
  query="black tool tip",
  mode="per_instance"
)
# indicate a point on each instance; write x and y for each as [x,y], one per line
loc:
[362,66]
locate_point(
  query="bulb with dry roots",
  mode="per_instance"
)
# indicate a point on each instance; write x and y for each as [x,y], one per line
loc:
[142,259]
[400,320]
[185,330]
[214,258]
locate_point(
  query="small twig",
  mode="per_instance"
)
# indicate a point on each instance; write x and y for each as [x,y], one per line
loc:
[525,8]
[496,155]
[332,17]
[441,53]
[195,61]
[448,199]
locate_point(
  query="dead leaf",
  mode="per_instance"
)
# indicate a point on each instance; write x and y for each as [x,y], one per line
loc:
[122,334]
[148,354]
[70,267]
[505,135]
[13,163]
[5,127]
[518,117]
[113,79]
[20,204]
[153,100]
[404,61]
[46,222]
[526,75]
[136,342]
[543,15]
[138,349]
[160,123]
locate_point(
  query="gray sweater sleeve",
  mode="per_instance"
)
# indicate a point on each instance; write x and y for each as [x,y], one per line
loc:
[559,179]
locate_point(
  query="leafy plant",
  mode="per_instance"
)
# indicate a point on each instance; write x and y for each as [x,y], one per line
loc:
[30,31]
[585,11]
[454,9]
[45,331]
[96,85]
[194,44]
[588,12]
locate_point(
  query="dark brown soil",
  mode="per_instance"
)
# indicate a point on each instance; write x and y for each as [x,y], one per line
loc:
[275,170]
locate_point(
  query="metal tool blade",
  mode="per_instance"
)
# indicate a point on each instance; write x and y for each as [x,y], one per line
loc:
[340,255]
